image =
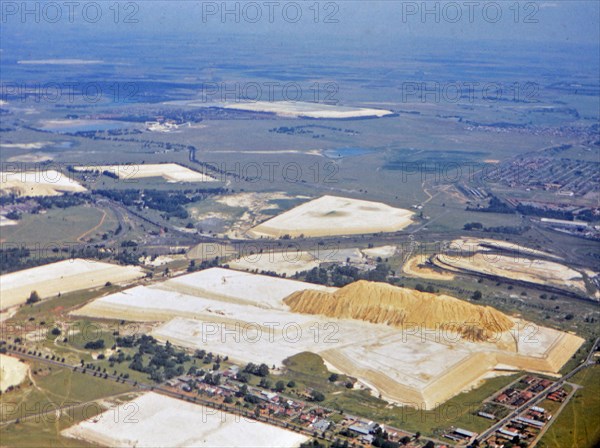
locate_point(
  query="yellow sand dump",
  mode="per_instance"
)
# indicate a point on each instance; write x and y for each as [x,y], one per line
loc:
[382,303]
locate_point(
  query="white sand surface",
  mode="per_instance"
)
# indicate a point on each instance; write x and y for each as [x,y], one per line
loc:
[62,277]
[171,172]
[516,267]
[300,109]
[154,420]
[4,221]
[239,287]
[38,183]
[381,251]
[333,215]
[12,372]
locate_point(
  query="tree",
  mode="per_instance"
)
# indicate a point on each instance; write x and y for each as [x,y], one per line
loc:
[56,331]
[333,377]
[33,298]
[263,370]
[317,396]
[291,384]
[280,386]
[477,295]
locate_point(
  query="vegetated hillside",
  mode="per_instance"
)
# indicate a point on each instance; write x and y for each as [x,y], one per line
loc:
[383,303]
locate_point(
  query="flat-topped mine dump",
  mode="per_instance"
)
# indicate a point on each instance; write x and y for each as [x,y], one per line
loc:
[171,172]
[413,348]
[334,215]
[309,110]
[62,277]
[160,421]
[295,109]
[38,183]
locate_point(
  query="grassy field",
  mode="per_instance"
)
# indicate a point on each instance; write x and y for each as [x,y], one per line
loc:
[50,387]
[458,411]
[56,226]
[577,425]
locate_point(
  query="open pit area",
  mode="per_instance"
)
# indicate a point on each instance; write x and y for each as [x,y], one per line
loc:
[171,172]
[160,421]
[62,277]
[471,245]
[12,372]
[333,215]
[38,183]
[412,348]
[291,261]
[530,270]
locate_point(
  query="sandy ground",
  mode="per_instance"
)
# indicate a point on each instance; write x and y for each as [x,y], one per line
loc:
[515,267]
[32,158]
[381,251]
[415,266]
[484,244]
[38,183]
[291,261]
[161,260]
[4,221]
[12,372]
[309,110]
[255,205]
[61,277]
[171,172]
[154,420]
[333,215]
[32,145]
[288,263]
[244,316]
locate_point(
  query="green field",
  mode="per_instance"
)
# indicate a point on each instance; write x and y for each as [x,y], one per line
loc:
[577,425]
[34,404]
[56,226]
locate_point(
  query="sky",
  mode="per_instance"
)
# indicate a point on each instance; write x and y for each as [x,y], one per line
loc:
[528,21]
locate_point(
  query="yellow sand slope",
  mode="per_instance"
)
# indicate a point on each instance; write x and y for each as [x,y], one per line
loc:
[382,303]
